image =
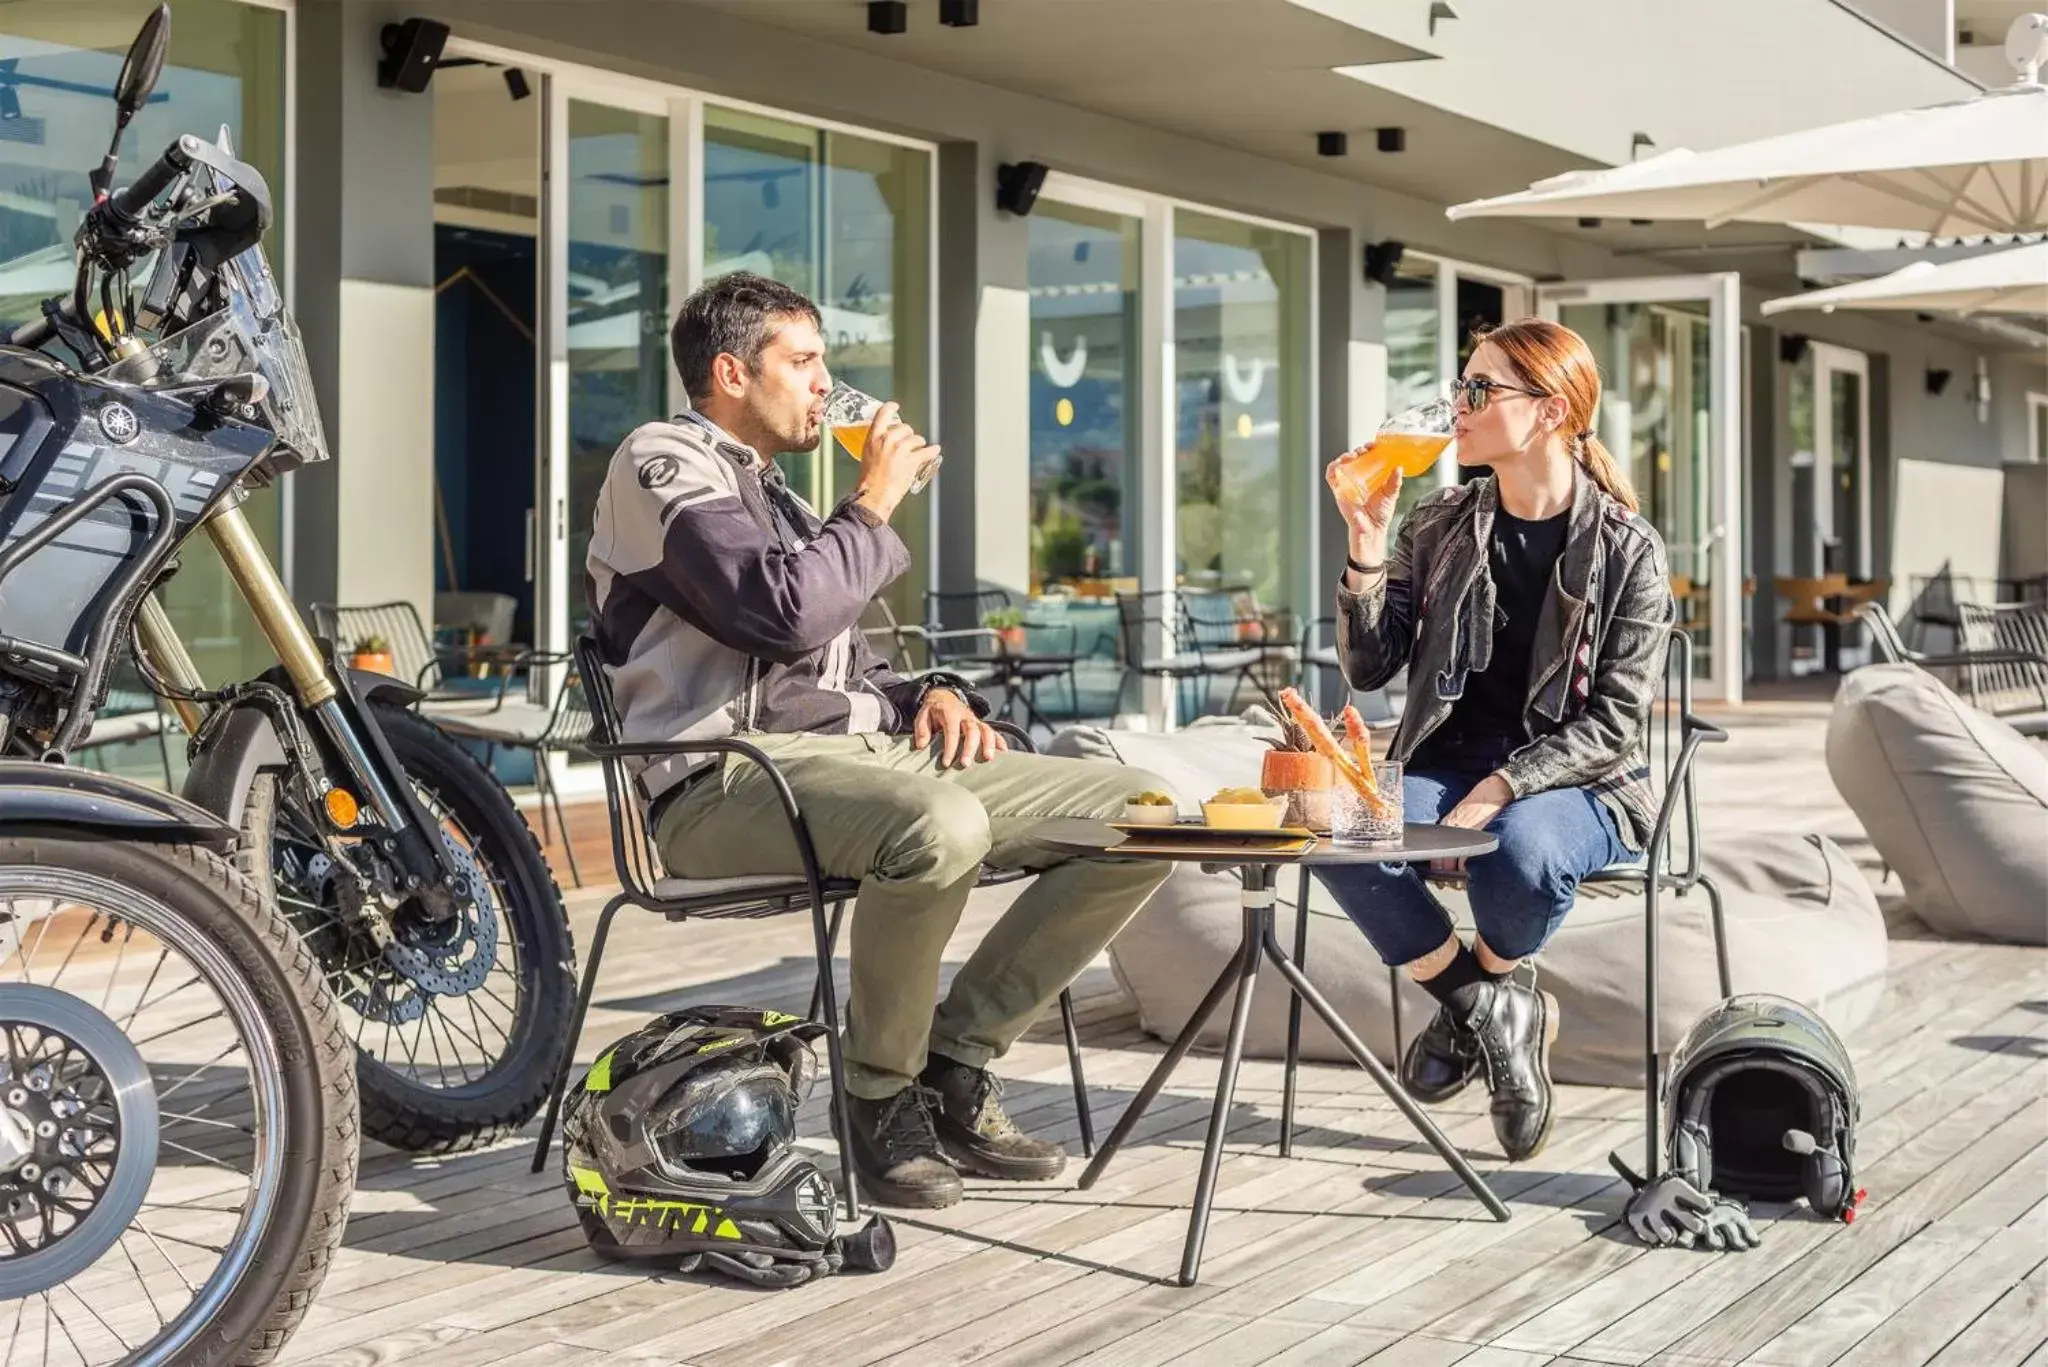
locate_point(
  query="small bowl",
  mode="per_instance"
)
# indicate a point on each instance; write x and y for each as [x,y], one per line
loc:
[1150,814]
[1246,816]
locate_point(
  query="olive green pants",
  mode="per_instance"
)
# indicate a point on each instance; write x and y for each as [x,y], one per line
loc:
[916,836]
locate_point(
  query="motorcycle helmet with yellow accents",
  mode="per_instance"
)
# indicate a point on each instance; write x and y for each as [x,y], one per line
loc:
[679,1147]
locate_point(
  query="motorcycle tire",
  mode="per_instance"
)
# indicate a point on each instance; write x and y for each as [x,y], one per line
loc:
[400,1110]
[302,1092]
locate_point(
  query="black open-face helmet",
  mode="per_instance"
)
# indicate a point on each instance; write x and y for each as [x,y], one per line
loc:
[1761,1103]
[679,1146]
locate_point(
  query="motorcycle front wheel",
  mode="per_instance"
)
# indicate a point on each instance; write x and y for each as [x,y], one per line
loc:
[177,1108]
[456,1040]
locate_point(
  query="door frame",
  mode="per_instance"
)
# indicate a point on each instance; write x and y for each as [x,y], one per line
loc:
[1721,291]
[1828,360]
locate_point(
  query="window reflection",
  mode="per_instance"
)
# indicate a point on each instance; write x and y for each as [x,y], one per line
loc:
[1241,387]
[1084,423]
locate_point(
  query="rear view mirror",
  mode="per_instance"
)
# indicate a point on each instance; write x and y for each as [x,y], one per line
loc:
[145,63]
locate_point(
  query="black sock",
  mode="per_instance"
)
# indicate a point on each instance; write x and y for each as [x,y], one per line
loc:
[1463,971]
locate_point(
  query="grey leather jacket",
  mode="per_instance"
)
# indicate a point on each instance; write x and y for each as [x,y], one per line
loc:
[1600,641]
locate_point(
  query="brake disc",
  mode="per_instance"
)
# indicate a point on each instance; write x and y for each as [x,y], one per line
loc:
[454,957]
[78,1136]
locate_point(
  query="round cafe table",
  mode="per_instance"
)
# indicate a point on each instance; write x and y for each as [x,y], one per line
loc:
[1258,869]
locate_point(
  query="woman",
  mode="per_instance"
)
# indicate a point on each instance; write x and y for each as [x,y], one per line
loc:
[1531,610]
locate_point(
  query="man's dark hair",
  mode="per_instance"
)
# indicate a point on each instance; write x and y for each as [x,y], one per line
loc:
[735,314]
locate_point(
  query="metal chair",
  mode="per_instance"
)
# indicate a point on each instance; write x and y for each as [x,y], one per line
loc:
[1674,738]
[645,884]
[1019,672]
[2001,667]
[1234,619]
[414,654]
[516,723]
[1181,656]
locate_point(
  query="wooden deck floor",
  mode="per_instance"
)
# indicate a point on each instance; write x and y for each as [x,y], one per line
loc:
[1360,1248]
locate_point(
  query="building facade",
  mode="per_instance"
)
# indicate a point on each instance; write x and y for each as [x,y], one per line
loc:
[1138,381]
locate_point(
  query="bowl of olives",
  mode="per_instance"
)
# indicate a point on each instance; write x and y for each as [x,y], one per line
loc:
[1150,809]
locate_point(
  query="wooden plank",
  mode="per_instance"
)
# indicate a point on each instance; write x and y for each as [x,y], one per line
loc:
[2010,1331]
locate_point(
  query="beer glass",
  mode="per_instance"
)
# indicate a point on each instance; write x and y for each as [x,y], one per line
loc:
[1410,441]
[849,414]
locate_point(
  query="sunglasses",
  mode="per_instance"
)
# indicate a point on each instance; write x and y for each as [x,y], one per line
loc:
[1474,395]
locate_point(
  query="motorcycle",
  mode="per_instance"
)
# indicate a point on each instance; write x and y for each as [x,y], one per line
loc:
[400,862]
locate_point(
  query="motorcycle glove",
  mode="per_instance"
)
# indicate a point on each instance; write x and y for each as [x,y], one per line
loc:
[1668,1211]
[1728,1226]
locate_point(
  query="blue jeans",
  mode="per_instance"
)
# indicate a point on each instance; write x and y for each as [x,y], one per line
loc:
[1519,893]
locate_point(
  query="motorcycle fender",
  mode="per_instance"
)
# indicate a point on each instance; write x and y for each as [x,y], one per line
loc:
[221,775]
[382,688]
[33,793]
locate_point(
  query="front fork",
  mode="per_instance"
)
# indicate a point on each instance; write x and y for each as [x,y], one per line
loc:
[427,868]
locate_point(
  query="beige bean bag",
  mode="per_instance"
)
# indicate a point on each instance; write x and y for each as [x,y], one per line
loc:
[1802,922]
[1954,799]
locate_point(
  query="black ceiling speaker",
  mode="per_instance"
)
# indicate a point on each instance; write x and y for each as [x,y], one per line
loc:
[515,83]
[1392,139]
[1937,379]
[1382,260]
[959,13]
[1018,184]
[888,16]
[1792,348]
[1333,144]
[411,52]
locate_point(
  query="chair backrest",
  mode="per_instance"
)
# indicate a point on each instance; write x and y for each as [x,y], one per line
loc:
[1141,612]
[633,856]
[1215,619]
[1664,743]
[2007,685]
[412,650]
[964,607]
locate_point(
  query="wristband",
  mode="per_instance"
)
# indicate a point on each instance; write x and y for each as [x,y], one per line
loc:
[1357,568]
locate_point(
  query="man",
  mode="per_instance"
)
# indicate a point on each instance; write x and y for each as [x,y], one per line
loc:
[724,605]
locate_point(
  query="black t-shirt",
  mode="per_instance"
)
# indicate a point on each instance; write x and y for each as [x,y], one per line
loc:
[1487,724]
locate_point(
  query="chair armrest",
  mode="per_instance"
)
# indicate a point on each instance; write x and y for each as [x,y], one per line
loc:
[665,749]
[1986,656]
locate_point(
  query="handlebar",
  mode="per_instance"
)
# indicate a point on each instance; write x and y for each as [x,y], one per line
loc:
[33,333]
[154,180]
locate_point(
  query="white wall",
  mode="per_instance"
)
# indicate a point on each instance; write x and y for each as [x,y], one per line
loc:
[384,467]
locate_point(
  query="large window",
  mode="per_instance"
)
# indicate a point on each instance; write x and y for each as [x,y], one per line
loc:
[617,307]
[58,62]
[1414,330]
[846,220]
[1242,381]
[1084,393]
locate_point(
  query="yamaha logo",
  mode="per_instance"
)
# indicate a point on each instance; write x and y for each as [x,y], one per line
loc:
[120,424]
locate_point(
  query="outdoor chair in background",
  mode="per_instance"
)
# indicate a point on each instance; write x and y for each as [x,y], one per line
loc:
[1319,662]
[2002,667]
[645,884]
[1155,641]
[1672,852]
[1233,619]
[515,722]
[415,656]
[1003,637]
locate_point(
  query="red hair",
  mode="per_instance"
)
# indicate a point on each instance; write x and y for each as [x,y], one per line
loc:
[1554,360]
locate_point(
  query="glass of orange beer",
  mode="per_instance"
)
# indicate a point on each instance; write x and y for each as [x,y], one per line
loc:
[849,414]
[1410,441]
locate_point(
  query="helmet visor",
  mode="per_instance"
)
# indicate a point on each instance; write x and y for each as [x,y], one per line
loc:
[725,1120]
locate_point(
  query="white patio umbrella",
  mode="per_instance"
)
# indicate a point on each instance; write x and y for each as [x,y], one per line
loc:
[2011,281]
[1960,169]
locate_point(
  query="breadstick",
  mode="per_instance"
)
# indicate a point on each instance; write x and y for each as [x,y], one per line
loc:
[1326,745]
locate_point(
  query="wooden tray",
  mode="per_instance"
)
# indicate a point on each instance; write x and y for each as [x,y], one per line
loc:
[1220,851]
[1200,830]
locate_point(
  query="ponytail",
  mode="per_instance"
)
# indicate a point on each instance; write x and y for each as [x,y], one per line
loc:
[1605,470]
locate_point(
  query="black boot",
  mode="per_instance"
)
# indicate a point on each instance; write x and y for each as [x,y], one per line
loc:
[977,1134]
[1440,1061]
[896,1153]
[1515,1026]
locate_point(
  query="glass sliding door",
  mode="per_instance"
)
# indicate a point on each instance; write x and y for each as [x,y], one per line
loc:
[226,66]
[1415,324]
[1242,382]
[846,220]
[1669,361]
[1084,282]
[615,302]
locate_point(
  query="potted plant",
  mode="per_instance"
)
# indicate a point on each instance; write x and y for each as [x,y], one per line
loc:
[1008,625]
[373,653]
[1292,769]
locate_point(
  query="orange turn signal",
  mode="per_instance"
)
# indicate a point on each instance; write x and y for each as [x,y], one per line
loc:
[342,809]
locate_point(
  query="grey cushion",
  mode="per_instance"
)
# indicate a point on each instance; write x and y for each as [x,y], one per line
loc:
[1801,922]
[1955,800]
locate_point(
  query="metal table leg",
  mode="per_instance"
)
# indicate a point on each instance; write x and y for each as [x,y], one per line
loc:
[1241,973]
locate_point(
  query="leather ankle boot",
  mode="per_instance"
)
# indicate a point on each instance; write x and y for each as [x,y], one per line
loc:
[1440,1061]
[1515,1026]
